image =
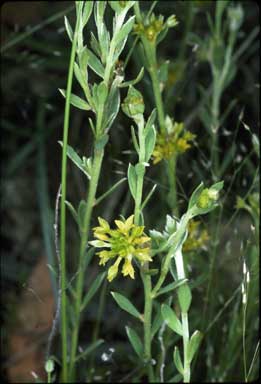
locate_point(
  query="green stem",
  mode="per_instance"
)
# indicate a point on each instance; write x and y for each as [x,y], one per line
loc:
[96,168]
[184,319]
[172,196]
[63,208]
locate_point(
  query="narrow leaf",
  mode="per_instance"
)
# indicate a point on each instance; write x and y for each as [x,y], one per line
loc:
[93,289]
[171,286]
[132,180]
[177,361]
[134,81]
[193,345]
[89,349]
[124,31]
[126,305]
[171,319]
[135,341]
[68,28]
[72,210]
[76,101]
[95,64]
[150,141]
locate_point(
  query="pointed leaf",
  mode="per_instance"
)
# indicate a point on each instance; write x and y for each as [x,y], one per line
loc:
[171,286]
[171,319]
[184,296]
[68,28]
[89,349]
[135,341]
[134,81]
[126,305]
[93,289]
[95,64]
[77,101]
[124,31]
[87,10]
[150,141]
[72,210]
[132,180]
[193,345]
[177,361]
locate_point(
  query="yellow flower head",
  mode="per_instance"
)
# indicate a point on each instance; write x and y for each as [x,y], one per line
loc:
[124,243]
[197,237]
[173,142]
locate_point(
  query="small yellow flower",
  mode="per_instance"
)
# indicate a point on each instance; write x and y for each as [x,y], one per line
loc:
[126,242]
[197,237]
[174,142]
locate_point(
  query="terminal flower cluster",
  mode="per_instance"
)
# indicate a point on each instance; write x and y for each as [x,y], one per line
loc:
[172,142]
[125,243]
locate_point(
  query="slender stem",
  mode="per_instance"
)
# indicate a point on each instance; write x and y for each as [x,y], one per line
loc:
[184,318]
[97,161]
[172,196]
[63,207]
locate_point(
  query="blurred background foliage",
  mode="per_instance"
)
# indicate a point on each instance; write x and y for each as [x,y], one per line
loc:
[35,55]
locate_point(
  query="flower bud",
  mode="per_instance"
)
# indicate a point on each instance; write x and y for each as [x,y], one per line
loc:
[235,15]
[150,33]
[172,21]
[133,104]
[49,366]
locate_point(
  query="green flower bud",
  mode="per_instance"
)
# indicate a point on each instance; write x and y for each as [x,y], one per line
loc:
[49,366]
[204,201]
[133,104]
[235,15]
[172,21]
[150,33]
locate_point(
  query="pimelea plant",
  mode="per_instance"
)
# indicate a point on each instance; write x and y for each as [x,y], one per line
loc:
[129,248]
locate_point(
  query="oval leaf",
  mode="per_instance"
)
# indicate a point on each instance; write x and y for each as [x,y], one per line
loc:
[194,343]
[177,361]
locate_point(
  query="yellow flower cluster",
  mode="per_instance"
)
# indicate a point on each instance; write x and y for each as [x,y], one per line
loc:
[197,238]
[153,26]
[126,242]
[172,143]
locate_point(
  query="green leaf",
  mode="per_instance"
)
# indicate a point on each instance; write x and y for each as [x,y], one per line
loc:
[95,63]
[102,92]
[193,345]
[177,361]
[157,322]
[171,319]
[76,101]
[134,139]
[132,180]
[79,76]
[75,159]
[134,81]
[171,286]
[150,141]
[148,197]
[101,142]
[135,341]
[93,289]
[68,28]
[112,106]
[184,296]
[195,195]
[124,31]
[150,122]
[126,305]
[87,10]
[89,349]
[81,213]
[72,210]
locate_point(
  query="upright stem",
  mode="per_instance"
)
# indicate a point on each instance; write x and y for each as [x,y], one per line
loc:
[96,168]
[63,208]
[145,268]
[184,319]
